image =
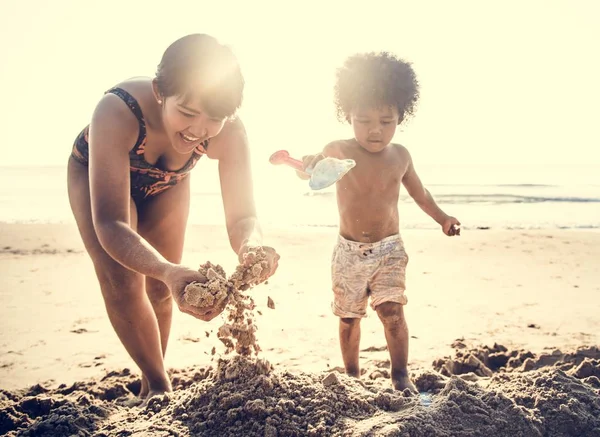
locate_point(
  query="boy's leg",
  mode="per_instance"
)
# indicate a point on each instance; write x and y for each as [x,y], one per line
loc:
[349,283]
[349,343]
[388,299]
[391,315]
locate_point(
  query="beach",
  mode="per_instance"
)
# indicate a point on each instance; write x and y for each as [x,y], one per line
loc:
[497,105]
[528,290]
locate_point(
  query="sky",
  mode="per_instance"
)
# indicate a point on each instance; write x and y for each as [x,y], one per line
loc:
[507,88]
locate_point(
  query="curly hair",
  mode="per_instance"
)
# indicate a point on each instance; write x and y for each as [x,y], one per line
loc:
[198,67]
[374,80]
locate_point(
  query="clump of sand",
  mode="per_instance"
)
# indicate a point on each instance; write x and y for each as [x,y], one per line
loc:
[238,333]
[213,292]
[252,269]
[250,397]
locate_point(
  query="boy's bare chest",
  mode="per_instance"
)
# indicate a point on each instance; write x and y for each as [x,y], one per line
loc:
[373,178]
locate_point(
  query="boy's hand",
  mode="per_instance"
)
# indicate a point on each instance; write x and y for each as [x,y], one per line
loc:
[310,161]
[451,226]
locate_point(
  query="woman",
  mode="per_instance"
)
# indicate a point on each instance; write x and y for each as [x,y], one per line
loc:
[129,189]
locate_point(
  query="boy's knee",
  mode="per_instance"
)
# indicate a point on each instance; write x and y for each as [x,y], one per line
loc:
[349,321]
[391,313]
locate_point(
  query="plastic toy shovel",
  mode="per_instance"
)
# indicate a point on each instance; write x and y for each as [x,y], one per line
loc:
[325,173]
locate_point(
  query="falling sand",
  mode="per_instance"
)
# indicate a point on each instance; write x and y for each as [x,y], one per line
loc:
[479,392]
[239,331]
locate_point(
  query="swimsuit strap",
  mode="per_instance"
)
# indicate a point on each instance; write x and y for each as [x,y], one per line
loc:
[132,104]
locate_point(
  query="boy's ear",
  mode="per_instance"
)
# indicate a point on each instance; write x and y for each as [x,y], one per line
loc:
[400,117]
[348,119]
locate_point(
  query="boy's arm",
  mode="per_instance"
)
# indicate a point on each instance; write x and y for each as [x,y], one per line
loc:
[423,197]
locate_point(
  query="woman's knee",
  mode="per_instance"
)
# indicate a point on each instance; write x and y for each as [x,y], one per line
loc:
[157,291]
[118,284]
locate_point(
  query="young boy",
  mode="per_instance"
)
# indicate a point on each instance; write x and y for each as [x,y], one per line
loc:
[374,93]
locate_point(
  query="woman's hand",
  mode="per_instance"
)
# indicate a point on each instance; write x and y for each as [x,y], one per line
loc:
[177,278]
[272,260]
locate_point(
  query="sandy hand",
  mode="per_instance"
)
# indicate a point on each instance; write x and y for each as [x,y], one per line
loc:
[177,279]
[207,298]
[211,295]
[257,264]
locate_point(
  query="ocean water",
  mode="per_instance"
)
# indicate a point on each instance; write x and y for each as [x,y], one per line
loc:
[38,195]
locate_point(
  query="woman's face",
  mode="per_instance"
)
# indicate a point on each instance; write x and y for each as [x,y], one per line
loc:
[187,124]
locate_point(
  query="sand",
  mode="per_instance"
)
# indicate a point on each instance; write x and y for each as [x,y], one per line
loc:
[239,331]
[503,325]
[214,292]
[250,397]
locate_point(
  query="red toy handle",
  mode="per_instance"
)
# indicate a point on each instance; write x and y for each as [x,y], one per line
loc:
[283,157]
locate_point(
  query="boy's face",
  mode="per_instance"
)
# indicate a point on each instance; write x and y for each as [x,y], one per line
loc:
[374,128]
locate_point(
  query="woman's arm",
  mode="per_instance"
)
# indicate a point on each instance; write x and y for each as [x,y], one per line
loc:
[237,190]
[237,186]
[113,132]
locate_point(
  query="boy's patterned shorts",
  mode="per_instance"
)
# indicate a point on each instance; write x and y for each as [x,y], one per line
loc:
[360,270]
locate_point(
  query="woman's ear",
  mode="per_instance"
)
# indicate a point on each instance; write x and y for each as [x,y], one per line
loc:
[156,92]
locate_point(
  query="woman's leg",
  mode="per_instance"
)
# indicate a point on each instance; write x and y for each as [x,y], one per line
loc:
[123,290]
[163,221]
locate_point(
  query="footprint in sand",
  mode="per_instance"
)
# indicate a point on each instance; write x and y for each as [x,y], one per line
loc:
[190,339]
[76,330]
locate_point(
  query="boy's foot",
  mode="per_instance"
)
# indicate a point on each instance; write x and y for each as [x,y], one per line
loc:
[354,373]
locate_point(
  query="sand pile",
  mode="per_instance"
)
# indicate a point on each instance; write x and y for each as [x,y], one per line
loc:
[239,331]
[472,363]
[241,396]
